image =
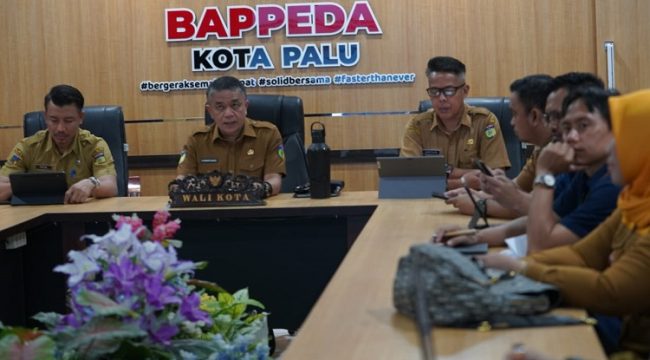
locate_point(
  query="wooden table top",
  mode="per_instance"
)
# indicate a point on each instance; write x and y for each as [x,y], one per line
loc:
[354,317]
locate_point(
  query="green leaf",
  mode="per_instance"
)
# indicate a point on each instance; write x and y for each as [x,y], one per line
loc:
[225,299]
[50,319]
[103,336]
[102,304]
[42,347]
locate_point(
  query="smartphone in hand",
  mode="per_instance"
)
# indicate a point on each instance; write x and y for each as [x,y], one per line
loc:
[439,195]
[481,166]
[453,233]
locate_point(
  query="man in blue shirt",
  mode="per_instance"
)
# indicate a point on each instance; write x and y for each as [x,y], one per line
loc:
[583,199]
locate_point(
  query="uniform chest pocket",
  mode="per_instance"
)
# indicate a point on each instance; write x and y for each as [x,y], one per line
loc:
[468,155]
[251,167]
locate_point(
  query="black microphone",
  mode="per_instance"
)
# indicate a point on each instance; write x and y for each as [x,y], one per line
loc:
[424,323]
[480,210]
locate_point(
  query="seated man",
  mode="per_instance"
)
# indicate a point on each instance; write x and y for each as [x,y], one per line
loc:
[527,102]
[86,159]
[585,200]
[463,133]
[233,143]
[607,271]
[507,198]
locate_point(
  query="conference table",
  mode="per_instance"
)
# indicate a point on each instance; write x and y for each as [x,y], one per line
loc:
[350,310]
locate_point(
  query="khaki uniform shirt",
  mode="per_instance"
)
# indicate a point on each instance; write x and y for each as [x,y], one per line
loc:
[479,136]
[88,156]
[526,176]
[257,152]
[605,272]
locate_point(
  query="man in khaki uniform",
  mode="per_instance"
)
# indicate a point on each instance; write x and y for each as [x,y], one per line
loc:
[463,133]
[532,125]
[234,143]
[510,198]
[85,158]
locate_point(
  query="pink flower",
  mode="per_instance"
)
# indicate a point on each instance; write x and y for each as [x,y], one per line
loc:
[160,218]
[164,229]
[136,224]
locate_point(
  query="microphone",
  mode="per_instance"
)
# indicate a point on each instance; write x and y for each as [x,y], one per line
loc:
[424,323]
[480,209]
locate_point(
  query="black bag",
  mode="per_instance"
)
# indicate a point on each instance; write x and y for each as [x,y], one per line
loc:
[459,293]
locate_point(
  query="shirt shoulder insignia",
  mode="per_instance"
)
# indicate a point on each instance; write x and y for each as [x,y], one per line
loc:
[262,124]
[98,155]
[490,131]
[36,138]
[202,130]
[477,110]
[425,118]
[281,151]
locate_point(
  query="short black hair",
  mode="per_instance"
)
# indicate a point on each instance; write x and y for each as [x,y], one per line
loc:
[533,90]
[594,98]
[446,64]
[62,95]
[573,80]
[225,83]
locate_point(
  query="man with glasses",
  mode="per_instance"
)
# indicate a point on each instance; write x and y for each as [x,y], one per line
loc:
[462,133]
[563,213]
[512,198]
[234,143]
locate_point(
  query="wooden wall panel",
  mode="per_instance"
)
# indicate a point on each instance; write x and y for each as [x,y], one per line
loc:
[107,47]
[625,22]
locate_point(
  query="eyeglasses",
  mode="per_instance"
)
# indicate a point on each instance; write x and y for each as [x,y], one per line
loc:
[552,116]
[447,91]
[580,126]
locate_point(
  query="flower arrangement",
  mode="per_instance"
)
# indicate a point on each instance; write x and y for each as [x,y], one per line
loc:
[131,297]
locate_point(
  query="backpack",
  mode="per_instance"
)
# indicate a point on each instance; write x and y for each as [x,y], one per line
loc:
[458,293]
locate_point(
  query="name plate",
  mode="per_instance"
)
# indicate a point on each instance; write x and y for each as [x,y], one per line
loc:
[214,200]
[216,189]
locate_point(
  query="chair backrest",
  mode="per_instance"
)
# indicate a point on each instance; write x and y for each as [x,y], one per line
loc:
[285,112]
[500,107]
[105,121]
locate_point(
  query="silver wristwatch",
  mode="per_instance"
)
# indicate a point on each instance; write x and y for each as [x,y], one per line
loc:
[546,180]
[95,181]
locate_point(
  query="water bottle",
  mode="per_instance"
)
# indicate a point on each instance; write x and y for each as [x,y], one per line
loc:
[318,160]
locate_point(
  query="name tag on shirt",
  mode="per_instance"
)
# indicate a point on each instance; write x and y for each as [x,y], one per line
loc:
[209,161]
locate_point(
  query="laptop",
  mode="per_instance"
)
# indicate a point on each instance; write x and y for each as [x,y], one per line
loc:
[411,177]
[38,188]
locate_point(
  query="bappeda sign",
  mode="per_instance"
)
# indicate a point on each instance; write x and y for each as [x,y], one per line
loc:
[297,20]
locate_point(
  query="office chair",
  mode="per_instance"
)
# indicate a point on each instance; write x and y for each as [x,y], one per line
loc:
[105,121]
[500,107]
[285,112]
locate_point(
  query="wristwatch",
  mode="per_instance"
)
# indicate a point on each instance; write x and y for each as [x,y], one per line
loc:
[95,181]
[546,180]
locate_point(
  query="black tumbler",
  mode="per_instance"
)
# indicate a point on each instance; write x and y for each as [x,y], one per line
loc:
[318,159]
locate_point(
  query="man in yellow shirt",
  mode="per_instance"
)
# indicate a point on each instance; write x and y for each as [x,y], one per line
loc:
[233,143]
[461,132]
[85,158]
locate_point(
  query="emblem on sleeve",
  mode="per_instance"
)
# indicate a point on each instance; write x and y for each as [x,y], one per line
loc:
[98,155]
[281,151]
[490,131]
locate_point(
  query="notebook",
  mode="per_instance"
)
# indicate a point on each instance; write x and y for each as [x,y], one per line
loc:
[38,188]
[411,177]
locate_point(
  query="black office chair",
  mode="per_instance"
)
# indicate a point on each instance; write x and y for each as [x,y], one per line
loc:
[105,121]
[500,107]
[285,112]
